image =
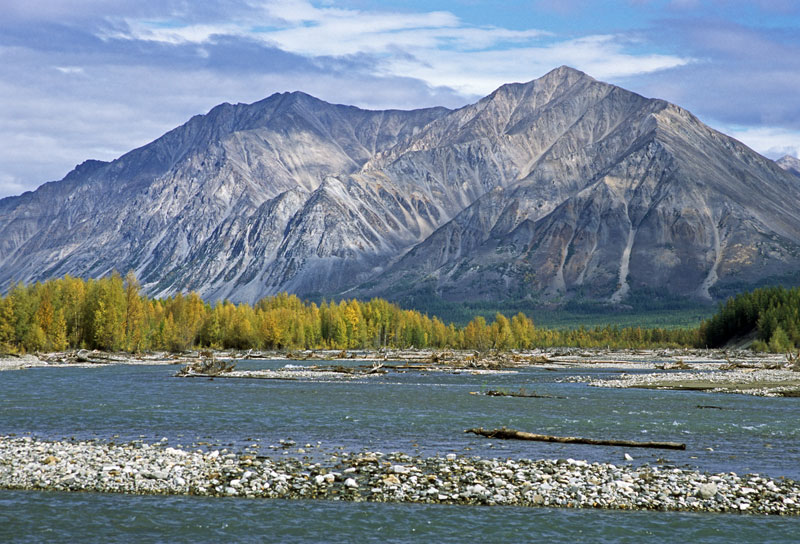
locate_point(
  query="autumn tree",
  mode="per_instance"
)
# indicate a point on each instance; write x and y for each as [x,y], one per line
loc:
[7,322]
[108,322]
[134,315]
[522,331]
[500,333]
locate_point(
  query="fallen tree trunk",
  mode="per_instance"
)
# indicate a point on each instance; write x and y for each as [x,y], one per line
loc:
[521,393]
[511,434]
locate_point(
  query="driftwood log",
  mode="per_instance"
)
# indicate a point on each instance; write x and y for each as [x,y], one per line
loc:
[521,393]
[511,434]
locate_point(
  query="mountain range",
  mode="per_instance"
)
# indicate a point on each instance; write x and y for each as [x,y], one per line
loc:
[562,188]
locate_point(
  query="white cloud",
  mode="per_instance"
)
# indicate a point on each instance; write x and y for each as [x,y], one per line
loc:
[70,69]
[480,72]
[10,185]
[435,47]
[772,142]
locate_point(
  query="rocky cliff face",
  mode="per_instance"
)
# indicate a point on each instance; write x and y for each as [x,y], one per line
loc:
[560,187]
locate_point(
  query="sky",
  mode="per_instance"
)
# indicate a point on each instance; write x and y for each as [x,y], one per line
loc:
[93,79]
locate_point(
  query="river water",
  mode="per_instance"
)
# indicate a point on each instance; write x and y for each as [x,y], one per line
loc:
[416,413]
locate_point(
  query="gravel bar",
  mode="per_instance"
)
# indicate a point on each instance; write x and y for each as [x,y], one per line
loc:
[759,382]
[157,469]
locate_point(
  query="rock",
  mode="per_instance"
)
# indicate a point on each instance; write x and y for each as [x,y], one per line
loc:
[478,489]
[351,483]
[707,491]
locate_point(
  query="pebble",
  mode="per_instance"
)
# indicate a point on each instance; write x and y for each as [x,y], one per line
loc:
[97,466]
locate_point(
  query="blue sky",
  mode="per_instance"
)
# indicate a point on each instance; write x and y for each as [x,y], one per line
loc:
[95,78]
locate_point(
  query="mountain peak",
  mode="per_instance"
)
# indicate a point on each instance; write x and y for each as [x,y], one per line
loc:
[790,164]
[565,70]
[563,75]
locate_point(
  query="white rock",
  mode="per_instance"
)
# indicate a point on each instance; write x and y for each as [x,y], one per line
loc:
[706,491]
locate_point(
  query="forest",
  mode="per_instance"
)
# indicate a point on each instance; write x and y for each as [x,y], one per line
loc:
[770,315]
[112,314]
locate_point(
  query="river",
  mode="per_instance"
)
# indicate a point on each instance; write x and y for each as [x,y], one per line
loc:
[416,413]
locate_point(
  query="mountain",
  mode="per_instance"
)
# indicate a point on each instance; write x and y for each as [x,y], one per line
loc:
[620,193]
[207,205]
[790,164]
[563,187]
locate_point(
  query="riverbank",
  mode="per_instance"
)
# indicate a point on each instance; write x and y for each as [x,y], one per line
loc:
[89,359]
[157,469]
[555,358]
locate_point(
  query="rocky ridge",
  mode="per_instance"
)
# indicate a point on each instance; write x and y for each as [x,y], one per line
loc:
[556,188]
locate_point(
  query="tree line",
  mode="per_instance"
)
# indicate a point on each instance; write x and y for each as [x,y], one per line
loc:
[771,314]
[112,314]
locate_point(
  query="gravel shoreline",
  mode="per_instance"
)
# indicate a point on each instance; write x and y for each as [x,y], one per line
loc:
[753,381]
[141,468]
